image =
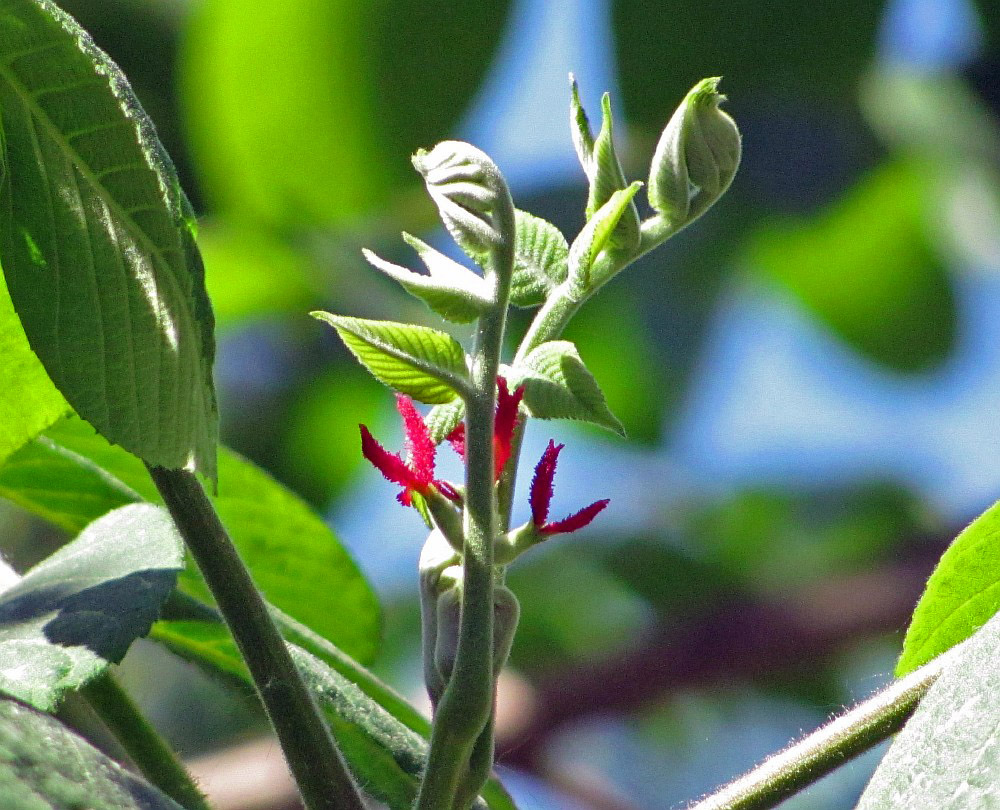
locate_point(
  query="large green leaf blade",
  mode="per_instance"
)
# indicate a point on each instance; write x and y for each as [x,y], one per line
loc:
[45,766]
[948,754]
[97,244]
[70,476]
[961,595]
[78,611]
[29,402]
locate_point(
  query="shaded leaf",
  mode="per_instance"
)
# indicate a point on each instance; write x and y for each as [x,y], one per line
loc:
[45,766]
[948,754]
[557,385]
[418,361]
[962,593]
[887,294]
[97,244]
[386,755]
[540,260]
[72,476]
[443,419]
[78,611]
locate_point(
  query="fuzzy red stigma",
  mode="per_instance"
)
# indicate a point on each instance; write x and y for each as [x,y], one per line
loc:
[457,439]
[540,498]
[504,424]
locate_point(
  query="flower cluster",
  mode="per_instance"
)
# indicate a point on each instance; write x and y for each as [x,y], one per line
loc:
[416,473]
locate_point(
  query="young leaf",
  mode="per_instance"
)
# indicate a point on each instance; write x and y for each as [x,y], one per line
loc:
[557,385]
[45,766]
[420,362]
[961,595]
[583,138]
[79,610]
[71,476]
[948,754]
[606,177]
[596,235]
[540,257]
[97,244]
[451,290]
[443,419]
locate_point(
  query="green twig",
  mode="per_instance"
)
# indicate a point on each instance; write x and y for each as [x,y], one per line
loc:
[315,762]
[144,746]
[827,748]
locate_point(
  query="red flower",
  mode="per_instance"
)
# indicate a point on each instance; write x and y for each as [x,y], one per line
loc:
[504,424]
[416,474]
[541,498]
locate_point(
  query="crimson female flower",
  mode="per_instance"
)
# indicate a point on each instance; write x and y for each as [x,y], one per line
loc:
[540,498]
[504,424]
[416,473]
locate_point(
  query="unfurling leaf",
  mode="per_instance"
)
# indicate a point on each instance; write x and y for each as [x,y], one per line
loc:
[540,260]
[696,157]
[557,385]
[418,361]
[452,290]
[443,419]
[594,238]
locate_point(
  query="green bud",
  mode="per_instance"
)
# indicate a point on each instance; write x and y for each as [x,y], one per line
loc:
[440,571]
[470,193]
[696,158]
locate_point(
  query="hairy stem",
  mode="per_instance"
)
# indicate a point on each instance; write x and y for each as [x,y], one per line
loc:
[466,707]
[312,755]
[827,748]
[144,746]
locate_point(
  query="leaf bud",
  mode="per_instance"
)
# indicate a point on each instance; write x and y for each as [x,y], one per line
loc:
[470,193]
[696,158]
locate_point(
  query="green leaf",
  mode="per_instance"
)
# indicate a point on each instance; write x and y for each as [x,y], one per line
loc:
[540,260]
[888,294]
[557,385]
[606,177]
[29,402]
[583,137]
[418,361]
[596,235]
[79,610]
[71,476]
[948,754]
[443,419]
[97,244]
[304,113]
[382,737]
[961,595]
[451,290]
[45,766]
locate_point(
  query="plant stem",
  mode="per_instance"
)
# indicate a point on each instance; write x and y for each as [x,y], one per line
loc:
[466,707]
[827,748]
[312,755]
[145,747]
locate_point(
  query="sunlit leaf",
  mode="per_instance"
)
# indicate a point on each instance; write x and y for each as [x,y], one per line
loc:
[418,361]
[79,610]
[97,244]
[596,234]
[961,595]
[45,766]
[557,385]
[540,260]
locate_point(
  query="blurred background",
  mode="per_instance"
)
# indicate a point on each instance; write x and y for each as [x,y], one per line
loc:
[809,376]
